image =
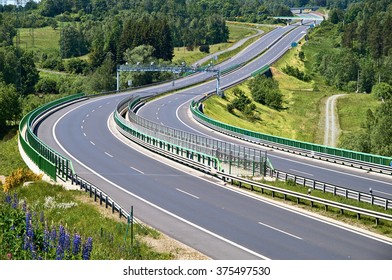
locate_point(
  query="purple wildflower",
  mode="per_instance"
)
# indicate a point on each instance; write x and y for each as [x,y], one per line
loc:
[15,202]
[76,244]
[46,240]
[87,248]
[8,199]
[24,206]
[67,243]
[60,245]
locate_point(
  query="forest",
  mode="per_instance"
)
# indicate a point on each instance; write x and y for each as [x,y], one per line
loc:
[98,35]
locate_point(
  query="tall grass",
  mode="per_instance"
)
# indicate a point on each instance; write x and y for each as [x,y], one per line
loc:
[44,208]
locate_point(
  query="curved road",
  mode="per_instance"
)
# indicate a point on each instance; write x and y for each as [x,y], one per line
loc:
[195,208]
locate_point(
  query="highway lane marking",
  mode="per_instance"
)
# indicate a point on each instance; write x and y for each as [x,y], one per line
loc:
[188,193]
[279,157]
[382,192]
[92,143]
[100,106]
[292,235]
[144,200]
[84,134]
[108,154]
[81,126]
[302,172]
[82,121]
[137,170]
[93,111]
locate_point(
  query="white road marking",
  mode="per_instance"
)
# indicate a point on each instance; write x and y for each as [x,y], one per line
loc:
[137,170]
[142,199]
[92,143]
[390,194]
[100,106]
[87,115]
[292,235]
[93,111]
[108,154]
[302,172]
[84,134]
[82,121]
[81,126]
[279,157]
[188,193]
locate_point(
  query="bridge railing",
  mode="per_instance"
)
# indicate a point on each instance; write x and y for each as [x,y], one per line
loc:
[44,157]
[235,159]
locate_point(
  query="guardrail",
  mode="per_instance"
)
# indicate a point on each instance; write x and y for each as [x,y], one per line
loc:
[47,159]
[233,158]
[333,189]
[187,156]
[312,199]
[345,157]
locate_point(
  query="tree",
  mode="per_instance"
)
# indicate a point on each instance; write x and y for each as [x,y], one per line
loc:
[382,91]
[10,104]
[72,42]
[103,78]
[266,91]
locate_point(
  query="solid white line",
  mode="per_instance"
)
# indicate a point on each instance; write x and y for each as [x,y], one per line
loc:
[92,143]
[276,156]
[188,193]
[301,172]
[142,199]
[390,194]
[108,154]
[292,235]
[137,170]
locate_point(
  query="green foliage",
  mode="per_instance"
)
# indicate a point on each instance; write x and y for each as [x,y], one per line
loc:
[72,42]
[10,105]
[204,48]
[266,91]
[47,86]
[295,72]
[76,66]
[382,91]
[49,208]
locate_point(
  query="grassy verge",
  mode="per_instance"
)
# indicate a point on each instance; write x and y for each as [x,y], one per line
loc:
[77,212]
[10,158]
[352,110]
[237,32]
[367,223]
[297,120]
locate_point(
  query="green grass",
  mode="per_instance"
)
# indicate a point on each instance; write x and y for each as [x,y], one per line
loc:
[352,110]
[77,212]
[368,223]
[299,118]
[10,158]
[45,39]
[237,32]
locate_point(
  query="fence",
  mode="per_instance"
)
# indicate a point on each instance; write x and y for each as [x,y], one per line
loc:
[235,159]
[47,159]
[304,147]
[312,199]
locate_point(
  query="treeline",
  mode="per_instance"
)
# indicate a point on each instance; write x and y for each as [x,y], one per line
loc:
[362,62]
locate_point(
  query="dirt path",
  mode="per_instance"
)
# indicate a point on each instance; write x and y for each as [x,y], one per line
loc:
[332,128]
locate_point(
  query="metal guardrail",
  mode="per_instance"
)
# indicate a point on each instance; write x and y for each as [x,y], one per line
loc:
[333,189]
[346,157]
[233,158]
[312,199]
[188,156]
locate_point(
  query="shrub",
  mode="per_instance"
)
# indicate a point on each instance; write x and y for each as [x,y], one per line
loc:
[204,48]
[18,177]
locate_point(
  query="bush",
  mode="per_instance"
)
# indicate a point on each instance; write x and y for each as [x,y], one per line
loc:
[18,177]
[47,86]
[204,48]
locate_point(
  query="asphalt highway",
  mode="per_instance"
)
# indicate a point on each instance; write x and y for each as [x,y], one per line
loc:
[196,209]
